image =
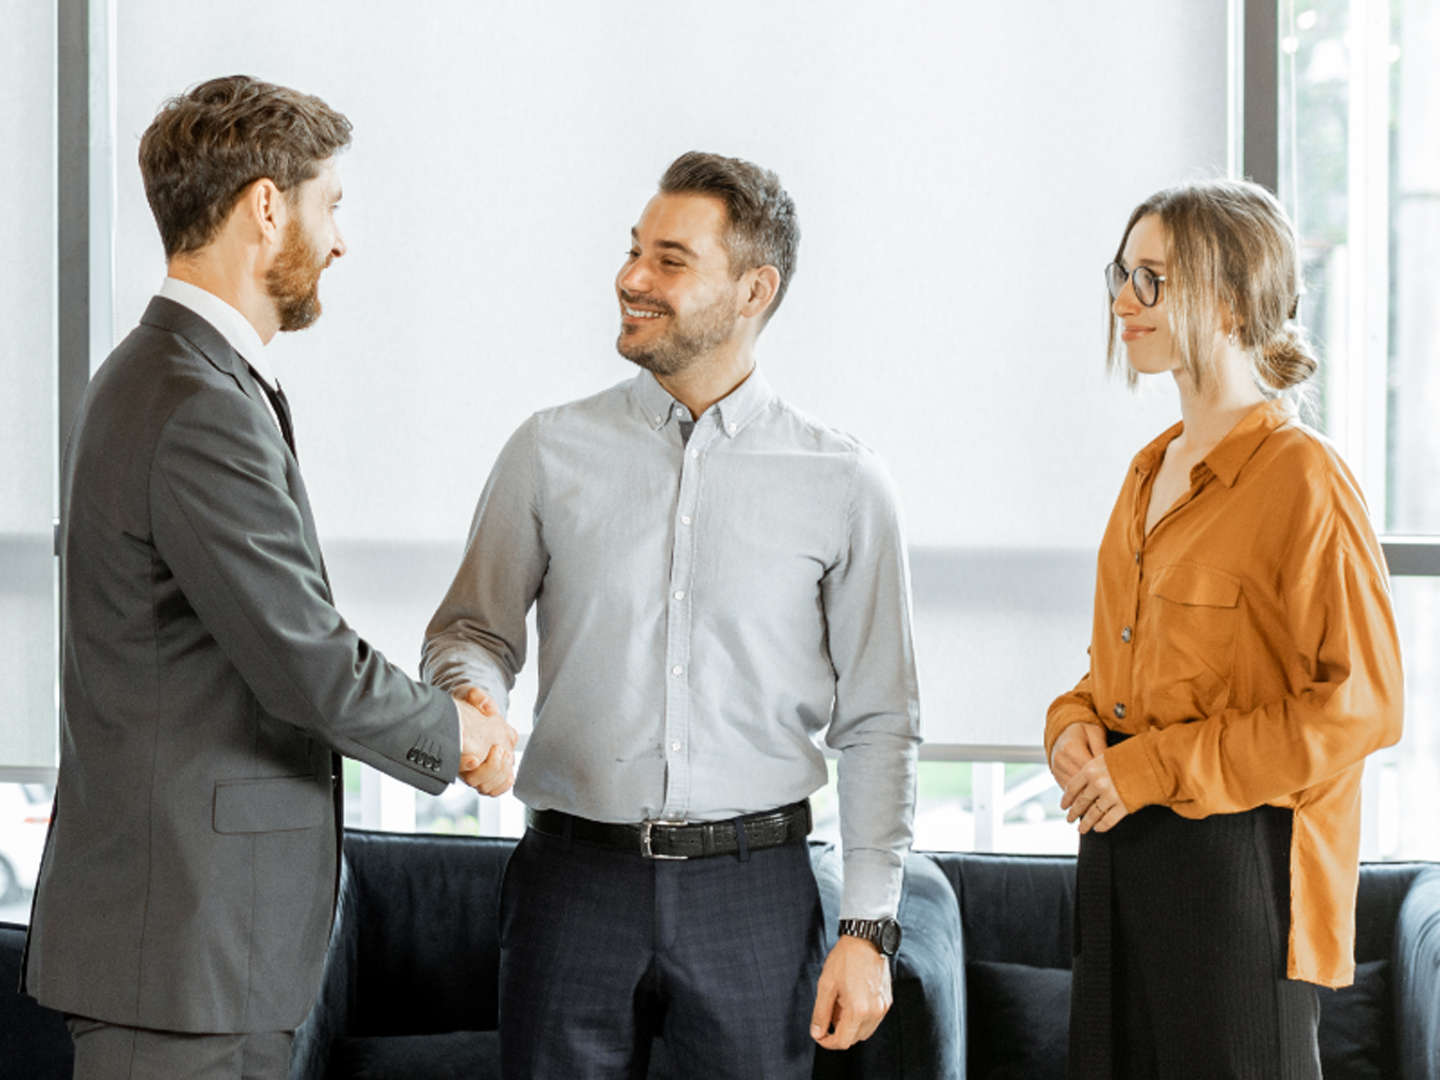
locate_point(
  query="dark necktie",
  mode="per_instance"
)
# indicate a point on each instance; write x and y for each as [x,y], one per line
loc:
[282,413]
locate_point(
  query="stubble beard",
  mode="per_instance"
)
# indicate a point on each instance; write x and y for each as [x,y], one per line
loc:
[293,281]
[684,343]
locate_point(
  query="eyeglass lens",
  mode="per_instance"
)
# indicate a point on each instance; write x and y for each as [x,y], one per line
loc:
[1145,280]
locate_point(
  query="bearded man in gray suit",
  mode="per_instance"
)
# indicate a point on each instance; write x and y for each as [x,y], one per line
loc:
[209,684]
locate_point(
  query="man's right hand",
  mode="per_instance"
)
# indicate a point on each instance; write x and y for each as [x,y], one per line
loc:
[1077,746]
[487,743]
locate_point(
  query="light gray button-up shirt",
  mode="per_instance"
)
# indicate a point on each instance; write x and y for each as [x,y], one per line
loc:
[707,611]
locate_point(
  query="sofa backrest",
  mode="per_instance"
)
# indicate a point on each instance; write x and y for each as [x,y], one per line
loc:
[421,916]
[1377,906]
[1014,909]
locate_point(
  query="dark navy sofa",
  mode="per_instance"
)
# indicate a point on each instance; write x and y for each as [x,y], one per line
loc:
[981,982]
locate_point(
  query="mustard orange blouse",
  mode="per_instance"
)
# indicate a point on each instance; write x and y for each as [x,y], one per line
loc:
[1249,646]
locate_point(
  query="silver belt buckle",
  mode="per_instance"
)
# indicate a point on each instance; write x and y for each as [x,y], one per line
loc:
[647,848]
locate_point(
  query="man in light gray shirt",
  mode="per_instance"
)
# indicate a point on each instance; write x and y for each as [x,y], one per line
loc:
[721,581]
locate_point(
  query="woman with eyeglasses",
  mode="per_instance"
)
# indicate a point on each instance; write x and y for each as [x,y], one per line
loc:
[1243,662]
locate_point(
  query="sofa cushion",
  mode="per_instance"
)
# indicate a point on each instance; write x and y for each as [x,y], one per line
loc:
[459,1055]
[1018,1021]
[34,1042]
[1356,1026]
[427,934]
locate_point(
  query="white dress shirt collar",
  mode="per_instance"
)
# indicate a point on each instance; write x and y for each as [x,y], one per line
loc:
[233,326]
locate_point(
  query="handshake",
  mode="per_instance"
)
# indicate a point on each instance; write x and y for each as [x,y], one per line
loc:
[487,743]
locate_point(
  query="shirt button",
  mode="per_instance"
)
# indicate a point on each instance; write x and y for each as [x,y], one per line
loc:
[1137,558]
[685,520]
[1125,635]
[675,747]
[1120,712]
[659,419]
[694,453]
[677,670]
[679,594]
[733,427]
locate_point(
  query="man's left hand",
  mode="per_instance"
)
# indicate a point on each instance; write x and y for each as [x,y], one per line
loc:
[853,995]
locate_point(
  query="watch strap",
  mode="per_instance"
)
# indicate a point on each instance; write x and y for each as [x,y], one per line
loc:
[875,932]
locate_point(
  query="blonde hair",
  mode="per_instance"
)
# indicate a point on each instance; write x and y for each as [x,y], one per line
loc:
[1228,244]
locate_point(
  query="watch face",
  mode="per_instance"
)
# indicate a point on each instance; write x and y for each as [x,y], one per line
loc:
[889,937]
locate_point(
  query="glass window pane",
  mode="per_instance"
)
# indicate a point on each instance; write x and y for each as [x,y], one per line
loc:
[1361,170]
[1414,503]
[24,820]
[1402,801]
[1314,179]
[27,373]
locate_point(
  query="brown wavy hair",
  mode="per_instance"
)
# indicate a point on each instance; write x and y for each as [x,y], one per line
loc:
[1228,244]
[206,146]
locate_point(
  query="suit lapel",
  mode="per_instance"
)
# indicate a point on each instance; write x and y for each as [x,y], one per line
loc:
[173,318]
[167,315]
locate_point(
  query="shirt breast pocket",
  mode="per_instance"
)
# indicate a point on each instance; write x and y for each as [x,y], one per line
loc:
[1194,614]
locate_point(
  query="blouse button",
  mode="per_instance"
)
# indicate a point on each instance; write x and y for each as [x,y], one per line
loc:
[1120,711]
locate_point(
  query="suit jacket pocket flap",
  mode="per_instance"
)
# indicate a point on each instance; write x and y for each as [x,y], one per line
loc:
[271,805]
[1198,586]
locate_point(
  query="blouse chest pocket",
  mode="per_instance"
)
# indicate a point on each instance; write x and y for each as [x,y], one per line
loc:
[1191,621]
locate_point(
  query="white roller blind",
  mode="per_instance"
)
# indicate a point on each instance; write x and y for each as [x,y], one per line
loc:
[962,172]
[27,375]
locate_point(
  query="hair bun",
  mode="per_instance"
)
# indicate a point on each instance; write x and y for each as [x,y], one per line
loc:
[1287,360]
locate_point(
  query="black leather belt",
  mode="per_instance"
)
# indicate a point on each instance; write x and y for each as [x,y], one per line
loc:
[681,839]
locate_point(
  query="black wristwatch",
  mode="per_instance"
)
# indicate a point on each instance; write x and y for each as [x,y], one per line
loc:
[884,934]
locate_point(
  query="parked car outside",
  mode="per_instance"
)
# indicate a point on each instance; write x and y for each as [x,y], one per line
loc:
[24,820]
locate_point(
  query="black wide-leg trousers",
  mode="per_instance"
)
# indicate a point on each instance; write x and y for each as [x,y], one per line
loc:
[1182,935]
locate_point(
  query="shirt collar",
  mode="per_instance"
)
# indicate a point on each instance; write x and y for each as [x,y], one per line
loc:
[734,411]
[1232,452]
[233,326]
[1148,459]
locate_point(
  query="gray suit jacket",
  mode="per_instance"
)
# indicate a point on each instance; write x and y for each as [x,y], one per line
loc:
[189,879]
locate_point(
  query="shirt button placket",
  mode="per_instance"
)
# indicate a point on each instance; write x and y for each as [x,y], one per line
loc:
[679,628]
[1125,669]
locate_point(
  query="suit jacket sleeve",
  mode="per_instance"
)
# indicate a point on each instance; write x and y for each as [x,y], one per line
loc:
[229,528]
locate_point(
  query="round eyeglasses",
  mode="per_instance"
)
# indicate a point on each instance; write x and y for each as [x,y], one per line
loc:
[1145,281]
